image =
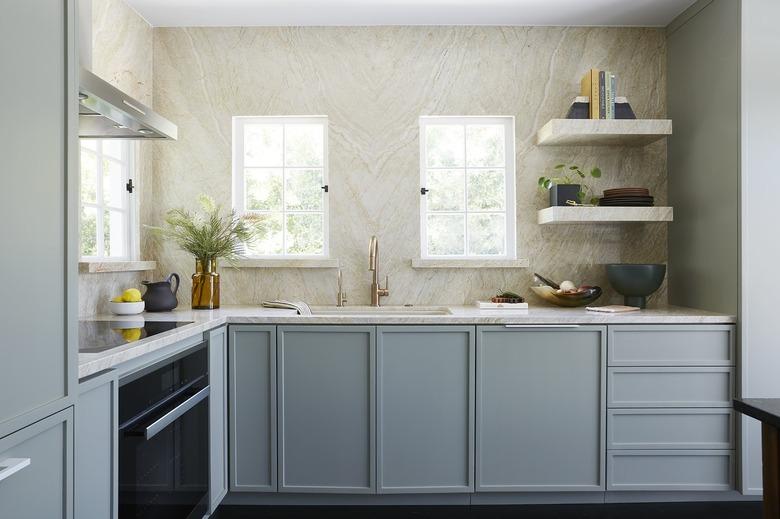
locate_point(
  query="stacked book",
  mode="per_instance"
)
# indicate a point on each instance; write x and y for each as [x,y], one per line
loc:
[598,98]
[600,86]
[627,197]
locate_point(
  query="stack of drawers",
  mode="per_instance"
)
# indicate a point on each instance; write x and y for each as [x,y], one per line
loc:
[670,425]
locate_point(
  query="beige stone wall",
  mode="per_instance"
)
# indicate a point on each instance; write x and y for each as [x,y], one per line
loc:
[373,84]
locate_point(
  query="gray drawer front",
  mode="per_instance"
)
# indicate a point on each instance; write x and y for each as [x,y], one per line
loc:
[670,470]
[44,487]
[670,429]
[689,345]
[670,387]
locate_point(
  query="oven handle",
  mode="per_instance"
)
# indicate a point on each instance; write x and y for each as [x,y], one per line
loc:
[151,430]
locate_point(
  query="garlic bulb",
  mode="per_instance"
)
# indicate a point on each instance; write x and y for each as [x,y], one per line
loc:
[568,286]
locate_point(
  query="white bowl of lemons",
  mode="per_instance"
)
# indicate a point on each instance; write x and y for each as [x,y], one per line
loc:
[129,303]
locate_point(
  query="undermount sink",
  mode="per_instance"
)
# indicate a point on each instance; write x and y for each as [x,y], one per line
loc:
[381,310]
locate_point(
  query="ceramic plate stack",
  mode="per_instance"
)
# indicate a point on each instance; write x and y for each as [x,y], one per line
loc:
[627,197]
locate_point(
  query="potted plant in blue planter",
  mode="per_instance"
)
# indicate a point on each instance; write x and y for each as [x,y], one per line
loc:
[567,188]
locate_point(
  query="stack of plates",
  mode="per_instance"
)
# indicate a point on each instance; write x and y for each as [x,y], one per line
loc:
[627,197]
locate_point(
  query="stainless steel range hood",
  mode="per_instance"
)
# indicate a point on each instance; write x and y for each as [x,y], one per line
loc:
[105,112]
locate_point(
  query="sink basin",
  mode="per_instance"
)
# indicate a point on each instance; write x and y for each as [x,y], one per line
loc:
[381,311]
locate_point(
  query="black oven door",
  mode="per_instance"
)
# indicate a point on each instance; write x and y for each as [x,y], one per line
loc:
[164,441]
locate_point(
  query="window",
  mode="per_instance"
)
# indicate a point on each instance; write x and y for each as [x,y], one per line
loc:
[106,211]
[467,167]
[280,175]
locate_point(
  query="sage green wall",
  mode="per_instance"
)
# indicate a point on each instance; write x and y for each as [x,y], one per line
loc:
[703,156]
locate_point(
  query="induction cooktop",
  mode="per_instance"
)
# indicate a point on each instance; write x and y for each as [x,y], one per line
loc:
[97,336]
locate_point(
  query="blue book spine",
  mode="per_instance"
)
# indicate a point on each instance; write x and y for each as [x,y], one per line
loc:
[612,94]
[602,96]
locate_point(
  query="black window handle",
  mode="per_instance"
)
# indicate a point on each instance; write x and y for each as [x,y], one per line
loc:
[324,188]
[424,191]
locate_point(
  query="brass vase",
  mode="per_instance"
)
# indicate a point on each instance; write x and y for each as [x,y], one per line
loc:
[205,285]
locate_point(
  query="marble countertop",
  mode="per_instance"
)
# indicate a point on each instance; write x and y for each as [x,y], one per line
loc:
[203,320]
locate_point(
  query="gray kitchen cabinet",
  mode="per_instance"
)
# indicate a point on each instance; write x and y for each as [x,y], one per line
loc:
[425,409]
[252,408]
[670,422]
[327,409]
[540,408]
[36,470]
[218,416]
[96,447]
[39,211]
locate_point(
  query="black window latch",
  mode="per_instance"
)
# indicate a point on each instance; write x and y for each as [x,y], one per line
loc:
[324,188]
[129,186]
[423,191]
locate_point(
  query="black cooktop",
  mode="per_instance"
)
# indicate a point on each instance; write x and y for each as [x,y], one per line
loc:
[97,336]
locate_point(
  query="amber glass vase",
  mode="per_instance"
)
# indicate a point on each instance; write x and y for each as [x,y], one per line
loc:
[205,285]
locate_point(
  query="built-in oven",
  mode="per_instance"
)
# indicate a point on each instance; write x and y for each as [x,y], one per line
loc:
[164,439]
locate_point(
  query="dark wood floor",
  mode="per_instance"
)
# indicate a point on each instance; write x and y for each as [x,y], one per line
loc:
[725,510]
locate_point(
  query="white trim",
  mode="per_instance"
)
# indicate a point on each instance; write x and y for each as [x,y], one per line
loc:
[510,211]
[293,262]
[238,194]
[97,267]
[469,263]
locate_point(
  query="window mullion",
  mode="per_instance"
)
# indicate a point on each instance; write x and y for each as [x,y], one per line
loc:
[284,189]
[466,192]
[99,223]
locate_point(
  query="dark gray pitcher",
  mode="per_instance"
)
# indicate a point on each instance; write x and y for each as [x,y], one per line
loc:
[160,296]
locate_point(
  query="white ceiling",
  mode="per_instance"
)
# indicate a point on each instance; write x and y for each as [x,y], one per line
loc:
[222,13]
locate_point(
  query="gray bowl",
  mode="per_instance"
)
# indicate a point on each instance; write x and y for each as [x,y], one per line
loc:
[635,281]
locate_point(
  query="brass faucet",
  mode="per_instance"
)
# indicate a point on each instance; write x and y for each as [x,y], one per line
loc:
[341,296]
[373,265]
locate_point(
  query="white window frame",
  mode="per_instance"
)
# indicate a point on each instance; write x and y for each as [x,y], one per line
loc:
[239,198]
[127,162]
[508,122]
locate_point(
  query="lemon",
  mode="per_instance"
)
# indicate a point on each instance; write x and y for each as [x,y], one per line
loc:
[131,295]
[131,334]
[117,299]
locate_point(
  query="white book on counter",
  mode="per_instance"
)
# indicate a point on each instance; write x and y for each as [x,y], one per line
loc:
[301,307]
[612,309]
[489,305]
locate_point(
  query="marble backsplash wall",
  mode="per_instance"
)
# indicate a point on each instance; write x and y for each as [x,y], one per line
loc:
[373,84]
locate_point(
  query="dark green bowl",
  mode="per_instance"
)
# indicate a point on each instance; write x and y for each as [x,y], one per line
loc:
[635,281]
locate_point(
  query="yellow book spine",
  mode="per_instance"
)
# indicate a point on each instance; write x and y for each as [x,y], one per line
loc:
[589,87]
[595,97]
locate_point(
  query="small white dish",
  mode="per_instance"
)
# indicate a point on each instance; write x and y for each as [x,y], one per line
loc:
[126,308]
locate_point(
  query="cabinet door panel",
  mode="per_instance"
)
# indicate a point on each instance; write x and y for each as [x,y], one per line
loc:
[96,455]
[218,478]
[540,409]
[326,409]
[426,409]
[44,487]
[252,408]
[36,49]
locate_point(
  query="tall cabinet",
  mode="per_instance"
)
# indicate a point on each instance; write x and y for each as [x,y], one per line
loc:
[38,129]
